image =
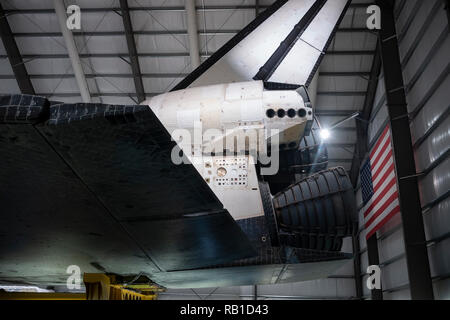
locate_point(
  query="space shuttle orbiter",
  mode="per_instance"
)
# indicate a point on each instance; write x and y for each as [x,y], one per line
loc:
[178,188]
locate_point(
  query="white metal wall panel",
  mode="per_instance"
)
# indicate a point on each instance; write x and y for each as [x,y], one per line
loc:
[362,234]
[437,220]
[106,65]
[362,238]
[408,9]
[157,43]
[397,295]
[177,65]
[117,100]
[414,28]
[2,50]
[340,153]
[366,291]
[346,270]
[432,111]
[356,16]
[92,4]
[328,102]
[42,23]
[5,67]
[377,123]
[112,85]
[347,83]
[214,42]
[160,85]
[347,63]
[364,262]
[230,293]
[354,40]
[436,183]
[379,94]
[323,288]
[442,289]
[422,75]
[424,85]
[33,45]
[66,85]
[440,258]
[224,19]
[433,147]
[9,86]
[28,4]
[49,66]
[421,50]
[391,247]
[394,274]
[157,20]
[390,226]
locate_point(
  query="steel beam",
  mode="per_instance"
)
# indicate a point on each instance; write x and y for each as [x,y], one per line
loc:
[165,8]
[14,57]
[72,51]
[361,149]
[374,260]
[159,54]
[334,113]
[194,48]
[212,32]
[342,93]
[411,210]
[345,74]
[357,266]
[362,124]
[132,51]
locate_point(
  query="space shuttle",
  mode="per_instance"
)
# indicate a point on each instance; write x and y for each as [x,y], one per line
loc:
[219,182]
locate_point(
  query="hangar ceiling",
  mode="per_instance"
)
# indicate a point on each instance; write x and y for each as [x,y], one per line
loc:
[162,45]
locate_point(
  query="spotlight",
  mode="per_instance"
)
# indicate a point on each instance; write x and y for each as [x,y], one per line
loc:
[324,134]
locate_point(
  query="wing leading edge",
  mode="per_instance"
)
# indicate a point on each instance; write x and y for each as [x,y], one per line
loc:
[285,44]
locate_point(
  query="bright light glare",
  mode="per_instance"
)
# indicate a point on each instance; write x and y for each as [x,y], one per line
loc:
[324,134]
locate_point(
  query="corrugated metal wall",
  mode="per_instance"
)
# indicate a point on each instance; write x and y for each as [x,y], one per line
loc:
[424,41]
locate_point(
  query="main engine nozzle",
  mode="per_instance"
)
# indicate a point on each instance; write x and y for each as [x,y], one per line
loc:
[315,213]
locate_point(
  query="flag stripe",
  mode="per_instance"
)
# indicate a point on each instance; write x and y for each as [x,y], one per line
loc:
[376,193]
[380,140]
[379,185]
[388,201]
[376,169]
[376,221]
[378,202]
[395,211]
[386,145]
[382,179]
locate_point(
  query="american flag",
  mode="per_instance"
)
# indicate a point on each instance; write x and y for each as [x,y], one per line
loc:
[379,185]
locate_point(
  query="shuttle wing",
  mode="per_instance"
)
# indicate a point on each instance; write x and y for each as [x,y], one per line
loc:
[284,44]
[93,185]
